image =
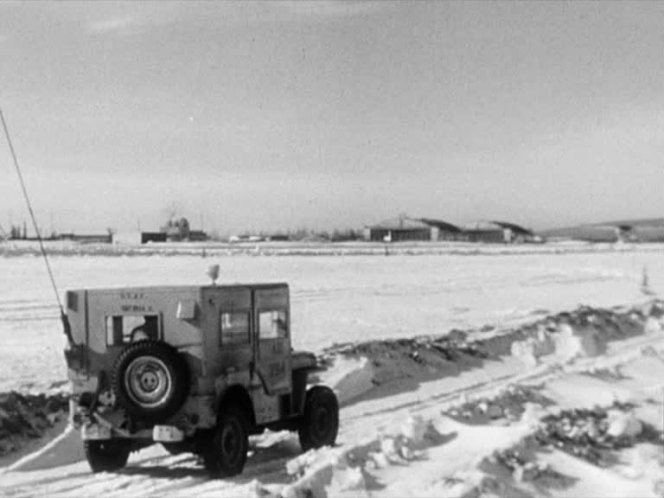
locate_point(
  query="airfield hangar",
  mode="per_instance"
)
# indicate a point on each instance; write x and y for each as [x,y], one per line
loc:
[626,231]
[498,232]
[412,229]
[429,229]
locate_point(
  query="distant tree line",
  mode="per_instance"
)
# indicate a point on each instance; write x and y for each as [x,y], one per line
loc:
[18,232]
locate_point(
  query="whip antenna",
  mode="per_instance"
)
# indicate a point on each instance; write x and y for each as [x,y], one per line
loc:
[63,316]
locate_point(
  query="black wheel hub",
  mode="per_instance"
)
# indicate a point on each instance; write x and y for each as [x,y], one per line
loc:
[321,422]
[230,443]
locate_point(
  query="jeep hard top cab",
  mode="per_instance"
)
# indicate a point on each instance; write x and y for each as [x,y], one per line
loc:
[196,368]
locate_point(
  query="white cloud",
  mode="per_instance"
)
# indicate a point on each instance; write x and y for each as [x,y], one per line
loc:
[119,25]
[144,15]
[328,8]
[137,17]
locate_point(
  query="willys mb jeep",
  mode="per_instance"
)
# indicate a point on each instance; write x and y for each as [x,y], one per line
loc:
[197,369]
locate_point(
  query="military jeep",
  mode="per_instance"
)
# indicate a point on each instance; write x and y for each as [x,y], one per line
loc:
[197,369]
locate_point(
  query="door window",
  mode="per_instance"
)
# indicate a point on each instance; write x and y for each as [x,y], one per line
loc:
[123,329]
[234,328]
[272,324]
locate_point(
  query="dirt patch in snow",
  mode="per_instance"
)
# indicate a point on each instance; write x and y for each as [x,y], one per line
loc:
[26,418]
[508,471]
[595,435]
[508,405]
[598,436]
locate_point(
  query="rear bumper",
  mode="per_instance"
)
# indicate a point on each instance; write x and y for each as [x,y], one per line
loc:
[196,414]
[96,431]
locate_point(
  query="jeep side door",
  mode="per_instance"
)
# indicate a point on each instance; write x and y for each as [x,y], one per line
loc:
[228,342]
[272,331]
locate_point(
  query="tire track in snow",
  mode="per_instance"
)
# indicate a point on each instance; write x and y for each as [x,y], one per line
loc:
[618,352]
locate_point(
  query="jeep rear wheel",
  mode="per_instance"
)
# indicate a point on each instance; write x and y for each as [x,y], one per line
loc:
[226,452]
[107,455]
[150,380]
[320,421]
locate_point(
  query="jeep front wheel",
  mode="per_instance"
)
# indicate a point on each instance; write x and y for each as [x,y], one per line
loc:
[226,452]
[150,380]
[320,421]
[107,455]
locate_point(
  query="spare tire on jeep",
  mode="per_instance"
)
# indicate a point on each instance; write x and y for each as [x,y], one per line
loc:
[150,380]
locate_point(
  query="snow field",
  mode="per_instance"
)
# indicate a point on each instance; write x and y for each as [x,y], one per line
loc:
[334,299]
[399,435]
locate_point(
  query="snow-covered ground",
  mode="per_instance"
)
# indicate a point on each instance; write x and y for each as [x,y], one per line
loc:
[397,435]
[334,298]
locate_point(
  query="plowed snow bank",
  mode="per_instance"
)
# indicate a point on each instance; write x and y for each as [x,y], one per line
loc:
[355,369]
[585,332]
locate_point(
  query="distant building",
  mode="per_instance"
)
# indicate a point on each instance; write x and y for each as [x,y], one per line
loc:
[446,231]
[136,238]
[517,233]
[279,237]
[106,238]
[197,236]
[177,230]
[400,229]
[647,234]
[591,233]
[638,230]
[488,232]
[404,228]
[641,233]
[147,237]
[498,232]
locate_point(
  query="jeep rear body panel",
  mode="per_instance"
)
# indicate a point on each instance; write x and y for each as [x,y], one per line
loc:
[94,315]
[229,335]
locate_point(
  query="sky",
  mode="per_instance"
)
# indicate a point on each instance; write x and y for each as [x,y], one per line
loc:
[247,116]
